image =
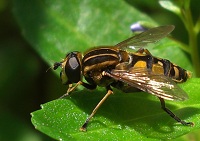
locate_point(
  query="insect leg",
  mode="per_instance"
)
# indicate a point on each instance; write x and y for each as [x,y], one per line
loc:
[89,86]
[71,88]
[142,50]
[109,92]
[172,114]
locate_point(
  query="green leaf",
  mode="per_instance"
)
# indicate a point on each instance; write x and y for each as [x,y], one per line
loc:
[55,28]
[122,117]
[171,6]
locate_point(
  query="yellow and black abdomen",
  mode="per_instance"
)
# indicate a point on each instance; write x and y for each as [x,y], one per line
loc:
[178,74]
[160,66]
[169,69]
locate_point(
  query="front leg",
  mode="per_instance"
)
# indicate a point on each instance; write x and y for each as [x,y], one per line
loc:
[71,87]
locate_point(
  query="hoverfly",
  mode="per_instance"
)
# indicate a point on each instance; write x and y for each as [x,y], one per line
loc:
[113,66]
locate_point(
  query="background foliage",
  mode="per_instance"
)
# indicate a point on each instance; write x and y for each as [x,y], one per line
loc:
[24,83]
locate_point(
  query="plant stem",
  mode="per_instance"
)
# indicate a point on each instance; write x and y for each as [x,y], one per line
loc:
[188,21]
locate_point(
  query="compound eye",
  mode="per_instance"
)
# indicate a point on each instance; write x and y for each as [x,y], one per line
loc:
[73,63]
[73,67]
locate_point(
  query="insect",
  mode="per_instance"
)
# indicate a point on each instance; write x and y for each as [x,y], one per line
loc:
[113,66]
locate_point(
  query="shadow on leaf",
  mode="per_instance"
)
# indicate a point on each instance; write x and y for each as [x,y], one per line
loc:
[135,112]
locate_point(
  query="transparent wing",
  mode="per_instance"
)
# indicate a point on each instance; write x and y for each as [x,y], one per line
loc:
[145,80]
[150,36]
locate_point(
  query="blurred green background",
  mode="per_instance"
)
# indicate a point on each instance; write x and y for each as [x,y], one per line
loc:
[24,82]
